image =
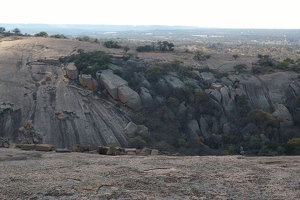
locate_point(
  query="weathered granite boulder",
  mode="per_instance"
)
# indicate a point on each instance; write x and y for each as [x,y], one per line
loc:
[154,152]
[145,152]
[112,151]
[250,128]
[111,82]
[129,97]
[86,80]
[162,87]
[176,86]
[216,95]
[193,129]
[130,129]
[283,115]
[141,80]
[216,86]
[44,147]
[72,71]
[79,148]
[204,127]
[192,83]
[225,95]
[207,77]
[146,97]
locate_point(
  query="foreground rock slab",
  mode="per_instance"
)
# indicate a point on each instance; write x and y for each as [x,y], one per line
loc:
[94,176]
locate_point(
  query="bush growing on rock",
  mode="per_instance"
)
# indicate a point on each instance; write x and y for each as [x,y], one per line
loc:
[112,44]
[239,68]
[90,62]
[262,118]
[136,142]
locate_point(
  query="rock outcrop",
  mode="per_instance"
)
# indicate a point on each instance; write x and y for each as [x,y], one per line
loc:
[86,80]
[129,97]
[111,82]
[72,71]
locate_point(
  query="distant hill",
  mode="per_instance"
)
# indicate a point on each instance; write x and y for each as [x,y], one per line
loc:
[83,29]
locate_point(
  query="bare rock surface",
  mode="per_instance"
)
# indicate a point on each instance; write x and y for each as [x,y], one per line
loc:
[50,175]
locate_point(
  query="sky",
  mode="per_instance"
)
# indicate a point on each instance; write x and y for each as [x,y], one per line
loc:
[201,13]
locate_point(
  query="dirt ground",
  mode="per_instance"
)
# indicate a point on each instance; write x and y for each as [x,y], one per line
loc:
[50,175]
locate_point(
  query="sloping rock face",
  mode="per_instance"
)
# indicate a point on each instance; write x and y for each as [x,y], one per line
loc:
[60,114]
[270,90]
[111,82]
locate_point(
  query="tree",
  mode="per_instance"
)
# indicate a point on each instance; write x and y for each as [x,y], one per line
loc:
[235,56]
[16,31]
[240,68]
[41,34]
[59,36]
[112,44]
[2,29]
[126,48]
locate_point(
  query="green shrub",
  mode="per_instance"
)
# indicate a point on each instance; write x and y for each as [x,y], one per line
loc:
[136,142]
[112,44]
[163,146]
[288,148]
[201,97]
[272,145]
[262,118]
[97,59]
[59,36]
[41,34]
[239,68]
[294,141]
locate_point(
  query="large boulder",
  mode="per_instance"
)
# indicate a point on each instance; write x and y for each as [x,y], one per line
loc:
[141,80]
[176,86]
[216,95]
[72,71]
[111,82]
[86,80]
[250,128]
[129,97]
[130,129]
[207,77]
[204,127]
[193,128]
[283,115]
[146,97]
[162,87]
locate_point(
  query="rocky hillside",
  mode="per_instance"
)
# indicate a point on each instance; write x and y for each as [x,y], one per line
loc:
[51,93]
[39,104]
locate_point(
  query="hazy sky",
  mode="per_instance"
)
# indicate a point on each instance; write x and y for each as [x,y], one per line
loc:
[201,13]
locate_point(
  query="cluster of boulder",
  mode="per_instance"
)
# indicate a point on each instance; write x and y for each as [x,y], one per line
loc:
[116,87]
[110,150]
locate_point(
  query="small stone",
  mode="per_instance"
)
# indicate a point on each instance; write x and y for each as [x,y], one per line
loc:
[44,147]
[26,147]
[154,152]
[145,152]
[103,150]
[112,151]
[63,150]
